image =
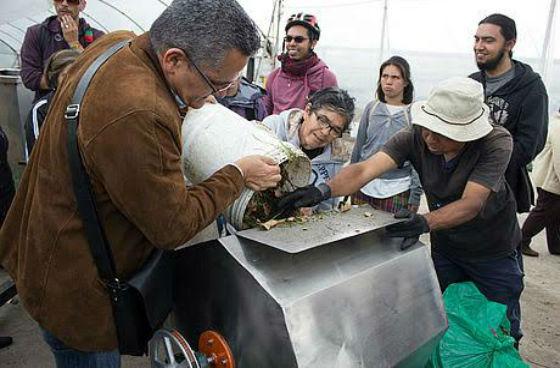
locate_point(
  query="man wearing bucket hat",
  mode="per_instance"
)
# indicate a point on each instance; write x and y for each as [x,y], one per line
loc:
[461,160]
[301,72]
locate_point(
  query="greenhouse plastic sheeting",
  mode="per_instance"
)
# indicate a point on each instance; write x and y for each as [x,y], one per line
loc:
[478,333]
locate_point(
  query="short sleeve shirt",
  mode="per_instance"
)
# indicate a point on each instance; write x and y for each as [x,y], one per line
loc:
[494,232]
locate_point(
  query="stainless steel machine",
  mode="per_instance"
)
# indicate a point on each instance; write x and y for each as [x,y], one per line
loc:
[331,292]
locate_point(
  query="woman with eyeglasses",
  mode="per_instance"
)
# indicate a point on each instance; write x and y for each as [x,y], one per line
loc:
[382,118]
[65,30]
[316,131]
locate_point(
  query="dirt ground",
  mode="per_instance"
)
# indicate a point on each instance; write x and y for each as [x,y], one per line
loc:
[540,313]
[540,307]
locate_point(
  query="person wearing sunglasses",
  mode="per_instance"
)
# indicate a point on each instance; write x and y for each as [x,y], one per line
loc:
[64,30]
[129,140]
[302,72]
[316,130]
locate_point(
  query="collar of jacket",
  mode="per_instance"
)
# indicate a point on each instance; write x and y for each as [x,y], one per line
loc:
[143,45]
[53,25]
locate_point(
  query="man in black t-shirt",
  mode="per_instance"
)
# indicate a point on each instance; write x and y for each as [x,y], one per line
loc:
[461,160]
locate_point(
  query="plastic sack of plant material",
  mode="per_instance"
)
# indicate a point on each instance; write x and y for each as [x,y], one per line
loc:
[478,333]
[214,136]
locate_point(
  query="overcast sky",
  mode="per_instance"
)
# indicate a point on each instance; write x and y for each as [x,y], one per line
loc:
[423,25]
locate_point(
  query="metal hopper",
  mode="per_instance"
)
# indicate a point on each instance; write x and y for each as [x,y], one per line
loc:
[332,292]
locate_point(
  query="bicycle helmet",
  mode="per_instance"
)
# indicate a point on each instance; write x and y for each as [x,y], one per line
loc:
[307,20]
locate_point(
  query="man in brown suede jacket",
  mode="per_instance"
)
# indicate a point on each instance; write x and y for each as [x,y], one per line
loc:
[129,139]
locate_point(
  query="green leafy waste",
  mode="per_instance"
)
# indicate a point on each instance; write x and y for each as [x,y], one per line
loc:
[262,204]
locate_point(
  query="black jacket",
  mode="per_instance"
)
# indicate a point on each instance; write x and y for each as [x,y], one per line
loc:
[7,189]
[521,106]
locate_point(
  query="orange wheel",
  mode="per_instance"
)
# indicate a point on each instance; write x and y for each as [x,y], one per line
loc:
[168,349]
[216,349]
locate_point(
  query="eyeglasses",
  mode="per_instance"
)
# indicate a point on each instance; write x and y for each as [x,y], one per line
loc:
[206,79]
[70,2]
[325,123]
[298,39]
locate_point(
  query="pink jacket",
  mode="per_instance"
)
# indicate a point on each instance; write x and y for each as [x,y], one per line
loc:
[286,91]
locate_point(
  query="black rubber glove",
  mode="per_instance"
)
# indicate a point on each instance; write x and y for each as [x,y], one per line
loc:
[415,225]
[409,242]
[305,197]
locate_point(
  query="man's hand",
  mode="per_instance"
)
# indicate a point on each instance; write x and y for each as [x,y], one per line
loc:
[44,84]
[259,172]
[211,99]
[70,31]
[308,196]
[414,226]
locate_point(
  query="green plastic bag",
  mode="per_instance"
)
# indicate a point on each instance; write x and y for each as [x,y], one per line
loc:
[478,333]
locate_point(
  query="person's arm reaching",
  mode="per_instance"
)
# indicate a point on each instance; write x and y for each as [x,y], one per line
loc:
[140,171]
[486,177]
[454,214]
[460,211]
[348,181]
[353,177]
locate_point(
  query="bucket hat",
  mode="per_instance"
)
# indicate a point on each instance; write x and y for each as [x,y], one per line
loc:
[454,109]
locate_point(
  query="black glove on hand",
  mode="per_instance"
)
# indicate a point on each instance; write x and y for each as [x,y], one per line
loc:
[305,197]
[415,225]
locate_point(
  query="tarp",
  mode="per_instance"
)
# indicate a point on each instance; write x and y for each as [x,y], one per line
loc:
[478,333]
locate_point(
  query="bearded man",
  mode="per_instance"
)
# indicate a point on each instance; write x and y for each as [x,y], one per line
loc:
[517,99]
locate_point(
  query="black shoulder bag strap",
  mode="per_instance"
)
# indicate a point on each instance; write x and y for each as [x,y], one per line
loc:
[141,303]
[98,244]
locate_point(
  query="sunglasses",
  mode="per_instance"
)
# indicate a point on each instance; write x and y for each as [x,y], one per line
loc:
[325,123]
[205,77]
[297,39]
[69,2]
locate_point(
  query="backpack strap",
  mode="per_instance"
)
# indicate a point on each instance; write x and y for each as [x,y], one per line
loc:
[407,116]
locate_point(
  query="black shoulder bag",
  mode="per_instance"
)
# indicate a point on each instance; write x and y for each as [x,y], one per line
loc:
[141,303]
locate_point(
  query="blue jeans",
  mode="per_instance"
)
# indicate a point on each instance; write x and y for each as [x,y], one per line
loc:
[500,280]
[66,357]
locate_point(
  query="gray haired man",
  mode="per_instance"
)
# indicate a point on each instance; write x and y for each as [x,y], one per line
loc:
[130,143]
